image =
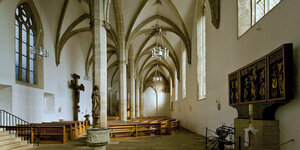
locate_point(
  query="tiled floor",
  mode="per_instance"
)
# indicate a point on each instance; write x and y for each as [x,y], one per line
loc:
[182,140]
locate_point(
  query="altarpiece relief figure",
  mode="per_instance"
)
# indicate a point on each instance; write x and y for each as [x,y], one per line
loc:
[234,88]
[253,82]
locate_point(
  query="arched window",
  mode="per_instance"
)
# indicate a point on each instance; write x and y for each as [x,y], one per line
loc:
[251,11]
[201,52]
[24,42]
[176,86]
[183,73]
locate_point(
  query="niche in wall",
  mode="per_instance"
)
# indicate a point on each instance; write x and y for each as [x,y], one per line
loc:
[49,103]
[6,97]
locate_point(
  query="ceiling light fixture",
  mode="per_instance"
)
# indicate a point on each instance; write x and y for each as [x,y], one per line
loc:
[157,77]
[39,51]
[159,52]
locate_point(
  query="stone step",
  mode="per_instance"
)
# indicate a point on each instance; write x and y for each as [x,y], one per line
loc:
[4,133]
[13,145]
[11,142]
[9,136]
[7,141]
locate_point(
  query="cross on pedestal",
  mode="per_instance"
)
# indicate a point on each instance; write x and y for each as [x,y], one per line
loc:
[76,95]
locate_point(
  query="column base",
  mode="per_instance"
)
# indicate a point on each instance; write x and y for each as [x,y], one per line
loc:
[97,137]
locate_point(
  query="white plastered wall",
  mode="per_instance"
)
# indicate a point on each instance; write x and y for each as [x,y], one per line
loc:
[27,102]
[226,53]
[150,105]
[6,97]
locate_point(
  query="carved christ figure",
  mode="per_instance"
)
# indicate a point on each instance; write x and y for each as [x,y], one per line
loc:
[76,94]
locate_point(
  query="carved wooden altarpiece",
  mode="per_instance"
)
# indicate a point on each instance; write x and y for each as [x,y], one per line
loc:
[266,83]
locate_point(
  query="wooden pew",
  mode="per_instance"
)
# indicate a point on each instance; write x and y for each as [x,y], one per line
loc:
[122,130]
[113,118]
[133,129]
[73,128]
[147,126]
[148,129]
[81,126]
[51,133]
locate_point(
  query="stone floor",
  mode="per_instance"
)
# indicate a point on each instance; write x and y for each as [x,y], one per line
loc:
[182,140]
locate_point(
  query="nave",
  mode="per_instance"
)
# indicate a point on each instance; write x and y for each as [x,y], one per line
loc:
[71,68]
[183,140]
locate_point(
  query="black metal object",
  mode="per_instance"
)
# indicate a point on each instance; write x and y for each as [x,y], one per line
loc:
[19,127]
[240,142]
[220,137]
[223,132]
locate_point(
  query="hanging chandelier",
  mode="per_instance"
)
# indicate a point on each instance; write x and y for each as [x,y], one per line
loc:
[159,52]
[157,77]
[41,52]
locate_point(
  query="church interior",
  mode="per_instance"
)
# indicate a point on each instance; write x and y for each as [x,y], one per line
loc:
[150,74]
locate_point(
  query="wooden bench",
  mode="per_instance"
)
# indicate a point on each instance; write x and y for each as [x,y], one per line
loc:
[122,130]
[51,133]
[148,129]
[147,126]
[132,129]
[73,128]
[113,118]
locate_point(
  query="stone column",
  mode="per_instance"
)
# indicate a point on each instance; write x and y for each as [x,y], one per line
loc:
[123,61]
[98,136]
[110,102]
[137,100]
[171,94]
[132,84]
[156,105]
[100,62]
[123,91]
[141,100]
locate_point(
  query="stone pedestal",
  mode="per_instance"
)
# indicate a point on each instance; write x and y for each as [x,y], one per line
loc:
[266,138]
[97,137]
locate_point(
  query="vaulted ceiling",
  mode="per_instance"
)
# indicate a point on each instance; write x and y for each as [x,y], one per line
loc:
[176,18]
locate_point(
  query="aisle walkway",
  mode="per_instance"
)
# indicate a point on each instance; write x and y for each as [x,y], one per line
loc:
[182,140]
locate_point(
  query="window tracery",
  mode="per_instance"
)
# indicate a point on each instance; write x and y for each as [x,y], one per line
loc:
[251,11]
[24,41]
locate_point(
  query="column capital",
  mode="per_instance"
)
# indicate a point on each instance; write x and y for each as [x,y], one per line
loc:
[97,21]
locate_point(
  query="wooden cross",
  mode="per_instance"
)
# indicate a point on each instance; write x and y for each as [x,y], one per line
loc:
[76,96]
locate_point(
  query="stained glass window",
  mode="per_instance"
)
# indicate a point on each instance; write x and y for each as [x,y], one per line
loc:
[259,9]
[201,55]
[251,11]
[183,74]
[24,42]
[273,3]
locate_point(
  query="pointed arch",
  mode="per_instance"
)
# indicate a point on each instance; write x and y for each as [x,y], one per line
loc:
[174,28]
[60,41]
[28,21]
[153,63]
[142,5]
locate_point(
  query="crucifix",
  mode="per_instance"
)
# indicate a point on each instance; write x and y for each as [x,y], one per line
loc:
[76,95]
